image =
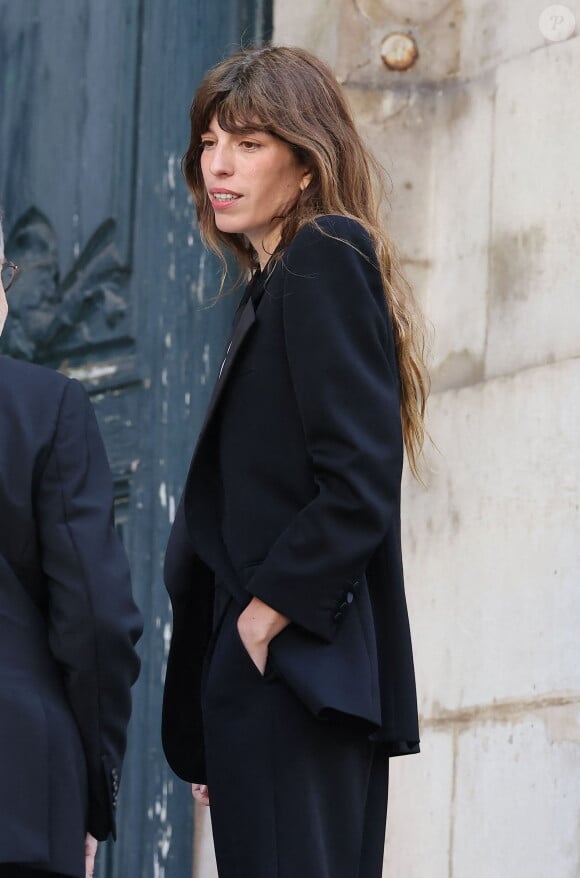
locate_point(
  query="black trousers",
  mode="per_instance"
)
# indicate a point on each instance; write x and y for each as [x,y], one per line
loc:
[290,796]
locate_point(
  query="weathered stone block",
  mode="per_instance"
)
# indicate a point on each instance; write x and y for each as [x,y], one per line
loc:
[398,130]
[494,31]
[349,35]
[491,549]
[516,808]
[534,313]
[314,28]
[420,792]
[461,167]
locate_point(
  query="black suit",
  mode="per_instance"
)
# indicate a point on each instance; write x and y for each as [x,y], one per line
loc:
[293,495]
[68,624]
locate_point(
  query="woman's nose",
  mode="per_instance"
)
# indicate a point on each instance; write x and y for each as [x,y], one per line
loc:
[221,161]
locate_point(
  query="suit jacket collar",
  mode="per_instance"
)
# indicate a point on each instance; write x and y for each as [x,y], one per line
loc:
[241,328]
[202,493]
[202,489]
[244,319]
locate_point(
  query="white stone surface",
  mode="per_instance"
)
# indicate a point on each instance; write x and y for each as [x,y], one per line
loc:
[348,35]
[534,308]
[434,26]
[392,125]
[315,28]
[491,550]
[419,814]
[517,806]
[459,214]
[404,12]
[494,31]
[461,38]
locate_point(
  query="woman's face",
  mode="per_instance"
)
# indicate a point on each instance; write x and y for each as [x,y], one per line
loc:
[251,179]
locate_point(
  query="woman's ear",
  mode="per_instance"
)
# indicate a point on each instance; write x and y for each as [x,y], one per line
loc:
[306,180]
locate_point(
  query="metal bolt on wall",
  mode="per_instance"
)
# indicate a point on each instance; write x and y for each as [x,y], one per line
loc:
[399,51]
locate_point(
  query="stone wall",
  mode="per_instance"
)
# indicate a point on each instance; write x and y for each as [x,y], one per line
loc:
[480,139]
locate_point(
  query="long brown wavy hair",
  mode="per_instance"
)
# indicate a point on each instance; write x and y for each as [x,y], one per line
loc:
[291,94]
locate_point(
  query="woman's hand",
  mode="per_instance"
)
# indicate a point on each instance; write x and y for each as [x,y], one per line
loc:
[90,853]
[257,626]
[200,793]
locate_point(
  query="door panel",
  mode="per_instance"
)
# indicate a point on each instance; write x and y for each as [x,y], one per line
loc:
[115,291]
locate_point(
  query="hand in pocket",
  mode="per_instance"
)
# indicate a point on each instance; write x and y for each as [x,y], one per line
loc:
[257,625]
[257,651]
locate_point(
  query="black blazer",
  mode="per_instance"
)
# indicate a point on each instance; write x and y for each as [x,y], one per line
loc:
[68,624]
[293,495]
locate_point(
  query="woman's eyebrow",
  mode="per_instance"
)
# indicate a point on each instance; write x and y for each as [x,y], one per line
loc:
[250,128]
[241,131]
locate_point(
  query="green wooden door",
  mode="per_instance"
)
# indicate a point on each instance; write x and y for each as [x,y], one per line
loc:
[94,98]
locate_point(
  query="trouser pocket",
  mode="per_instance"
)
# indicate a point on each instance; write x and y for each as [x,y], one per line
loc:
[231,677]
[246,655]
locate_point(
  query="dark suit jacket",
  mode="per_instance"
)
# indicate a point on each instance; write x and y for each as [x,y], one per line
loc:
[293,495]
[68,624]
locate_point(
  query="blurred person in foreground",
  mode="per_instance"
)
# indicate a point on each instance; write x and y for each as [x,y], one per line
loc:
[68,624]
[290,677]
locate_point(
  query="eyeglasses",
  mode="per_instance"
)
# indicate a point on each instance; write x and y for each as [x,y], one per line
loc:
[9,272]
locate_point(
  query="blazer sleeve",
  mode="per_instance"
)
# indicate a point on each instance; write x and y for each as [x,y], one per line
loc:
[339,345]
[93,621]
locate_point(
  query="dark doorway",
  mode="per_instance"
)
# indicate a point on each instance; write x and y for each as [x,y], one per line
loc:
[94,98]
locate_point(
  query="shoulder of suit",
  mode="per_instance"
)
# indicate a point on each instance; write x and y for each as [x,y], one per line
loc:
[328,234]
[36,381]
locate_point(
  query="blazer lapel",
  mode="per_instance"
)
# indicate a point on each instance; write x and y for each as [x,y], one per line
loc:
[202,491]
[242,327]
[203,488]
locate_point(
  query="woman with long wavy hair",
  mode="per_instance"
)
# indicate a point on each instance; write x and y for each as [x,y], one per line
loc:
[290,677]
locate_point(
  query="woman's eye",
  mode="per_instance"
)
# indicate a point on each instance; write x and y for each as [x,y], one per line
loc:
[249,144]
[206,144]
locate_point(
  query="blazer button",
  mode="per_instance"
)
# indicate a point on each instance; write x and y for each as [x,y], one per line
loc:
[349,597]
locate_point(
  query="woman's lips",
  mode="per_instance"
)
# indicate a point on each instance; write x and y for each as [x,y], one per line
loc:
[221,199]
